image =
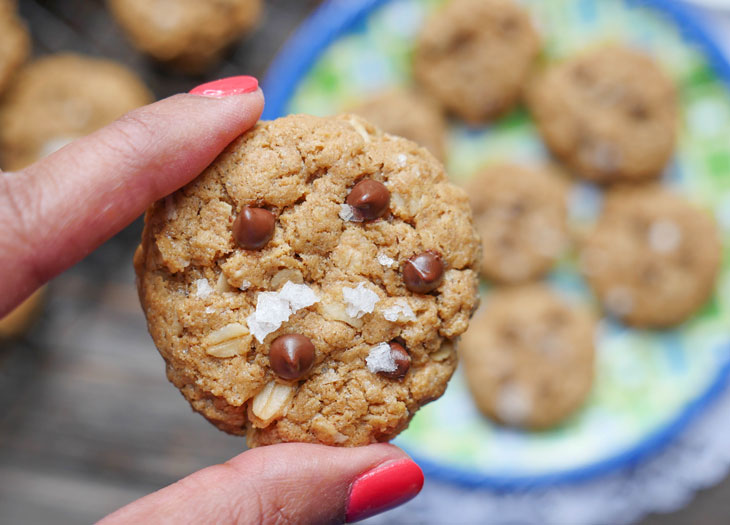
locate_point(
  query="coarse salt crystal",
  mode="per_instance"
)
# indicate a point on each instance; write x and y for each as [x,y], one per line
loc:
[402,160]
[346,213]
[359,301]
[275,308]
[380,359]
[202,288]
[209,310]
[385,261]
[400,310]
[245,285]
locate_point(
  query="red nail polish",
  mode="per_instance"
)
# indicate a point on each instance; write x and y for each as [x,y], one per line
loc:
[227,86]
[383,488]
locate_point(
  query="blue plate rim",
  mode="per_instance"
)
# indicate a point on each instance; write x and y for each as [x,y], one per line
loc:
[332,19]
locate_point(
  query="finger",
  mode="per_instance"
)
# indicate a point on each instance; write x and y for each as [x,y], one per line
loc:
[58,210]
[285,484]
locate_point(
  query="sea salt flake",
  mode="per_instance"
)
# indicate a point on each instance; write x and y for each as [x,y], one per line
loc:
[346,213]
[380,359]
[385,261]
[209,310]
[513,404]
[400,310]
[664,236]
[298,295]
[275,308]
[245,285]
[202,288]
[359,301]
[402,160]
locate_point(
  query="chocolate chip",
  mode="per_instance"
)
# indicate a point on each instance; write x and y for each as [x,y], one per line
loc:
[369,200]
[402,361]
[291,356]
[424,272]
[253,228]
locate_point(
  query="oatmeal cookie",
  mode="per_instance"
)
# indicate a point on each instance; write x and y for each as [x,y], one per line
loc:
[653,257]
[521,214]
[190,35]
[528,357]
[474,56]
[609,113]
[14,42]
[310,284]
[408,114]
[59,98]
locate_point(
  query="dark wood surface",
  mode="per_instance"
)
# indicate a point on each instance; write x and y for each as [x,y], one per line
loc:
[88,421]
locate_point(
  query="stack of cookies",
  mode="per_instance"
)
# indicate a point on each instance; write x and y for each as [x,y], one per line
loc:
[609,116]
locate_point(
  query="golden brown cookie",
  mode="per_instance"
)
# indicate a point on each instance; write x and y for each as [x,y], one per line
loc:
[653,258]
[19,320]
[189,34]
[473,56]
[59,98]
[14,42]
[408,114]
[310,284]
[528,357]
[521,215]
[610,113]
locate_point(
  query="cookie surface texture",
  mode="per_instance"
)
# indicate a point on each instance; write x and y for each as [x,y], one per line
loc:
[475,55]
[653,257]
[189,34]
[314,334]
[610,113]
[408,114]
[521,214]
[14,42]
[60,98]
[528,357]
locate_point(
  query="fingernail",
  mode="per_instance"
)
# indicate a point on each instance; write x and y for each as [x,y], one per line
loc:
[383,488]
[226,87]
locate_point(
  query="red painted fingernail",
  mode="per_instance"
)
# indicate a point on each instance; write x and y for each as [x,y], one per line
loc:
[383,488]
[226,87]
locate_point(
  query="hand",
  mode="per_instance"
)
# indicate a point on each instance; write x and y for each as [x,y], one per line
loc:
[55,212]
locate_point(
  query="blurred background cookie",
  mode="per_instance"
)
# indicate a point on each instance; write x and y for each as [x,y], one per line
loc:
[528,357]
[14,41]
[191,35]
[409,114]
[521,214]
[610,113]
[653,257]
[474,56]
[59,98]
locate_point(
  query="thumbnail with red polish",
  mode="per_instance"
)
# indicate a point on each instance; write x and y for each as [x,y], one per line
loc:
[227,86]
[383,488]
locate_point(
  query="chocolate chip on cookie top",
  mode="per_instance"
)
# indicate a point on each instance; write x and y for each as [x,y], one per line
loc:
[424,272]
[401,359]
[291,356]
[254,228]
[369,200]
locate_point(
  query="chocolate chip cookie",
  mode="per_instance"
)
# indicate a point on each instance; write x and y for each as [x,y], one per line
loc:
[521,215]
[190,35]
[474,56]
[59,98]
[610,113]
[529,357]
[310,284]
[653,257]
[409,114]
[14,42]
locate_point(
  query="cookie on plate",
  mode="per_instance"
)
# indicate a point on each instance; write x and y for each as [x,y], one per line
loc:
[474,56]
[528,357]
[610,113]
[188,34]
[310,284]
[14,42]
[652,258]
[409,114]
[59,98]
[521,214]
